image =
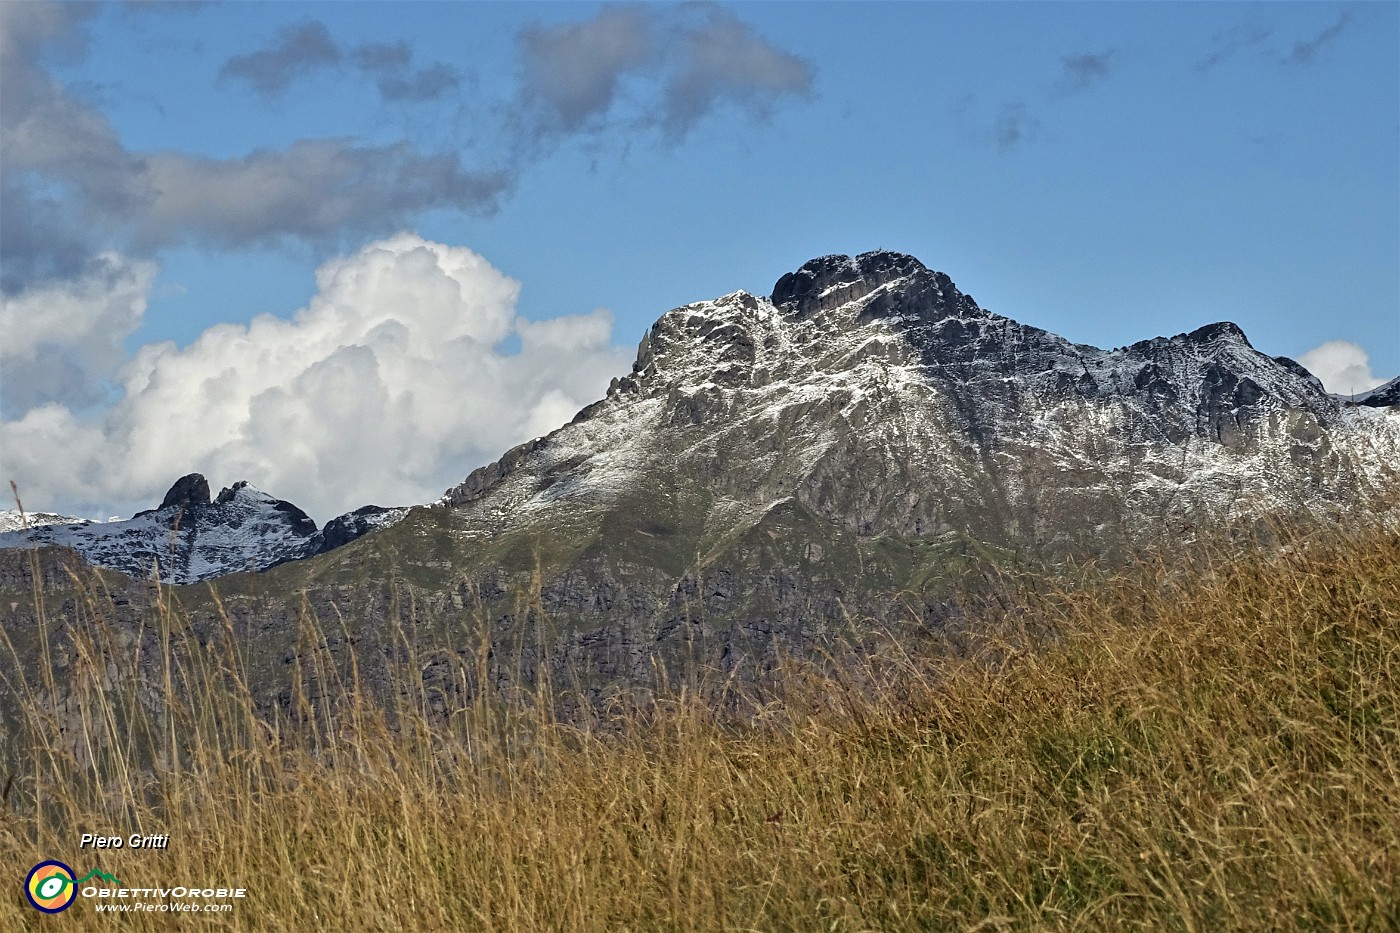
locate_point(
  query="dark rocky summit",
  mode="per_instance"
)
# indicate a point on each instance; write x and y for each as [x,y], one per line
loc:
[189,492]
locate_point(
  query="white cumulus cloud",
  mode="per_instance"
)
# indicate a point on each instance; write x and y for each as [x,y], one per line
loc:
[1343,367]
[63,339]
[393,383]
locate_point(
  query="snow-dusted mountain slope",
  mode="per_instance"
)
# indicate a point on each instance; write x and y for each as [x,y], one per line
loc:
[872,392]
[1381,396]
[190,537]
[15,520]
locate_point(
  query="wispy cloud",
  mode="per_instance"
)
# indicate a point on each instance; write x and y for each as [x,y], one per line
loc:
[1229,43]
[571,72]
[1082,71]
[722,60]
[1014,126]
[1016,122]
[313,189]
[1305,51]
[678,63]
[72,189]
[305,48]
[298,50]
[390,66]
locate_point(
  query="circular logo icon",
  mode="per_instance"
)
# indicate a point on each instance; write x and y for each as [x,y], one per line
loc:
[50,887]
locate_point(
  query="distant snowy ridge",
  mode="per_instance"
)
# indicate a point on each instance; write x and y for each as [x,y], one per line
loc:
[190,538]
[15,520]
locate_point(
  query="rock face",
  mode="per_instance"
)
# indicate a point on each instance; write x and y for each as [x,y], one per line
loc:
[874,394]
[346,528]
[189,492]
[190,538]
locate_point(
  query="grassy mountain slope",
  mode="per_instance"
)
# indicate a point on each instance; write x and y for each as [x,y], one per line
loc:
[1211,743]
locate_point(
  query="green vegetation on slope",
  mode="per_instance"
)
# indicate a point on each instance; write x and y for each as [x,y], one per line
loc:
[1200,747]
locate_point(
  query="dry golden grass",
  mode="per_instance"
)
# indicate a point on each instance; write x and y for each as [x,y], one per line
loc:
[1198,749]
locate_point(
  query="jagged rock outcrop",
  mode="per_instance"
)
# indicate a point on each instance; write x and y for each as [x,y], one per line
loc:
[189,492]
[191,538]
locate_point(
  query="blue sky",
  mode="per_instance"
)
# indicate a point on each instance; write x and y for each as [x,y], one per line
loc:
[1109,172]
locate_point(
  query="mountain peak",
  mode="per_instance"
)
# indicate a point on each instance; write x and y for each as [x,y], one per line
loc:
[241,489]
[1221,330]
[828,281]
[188,491]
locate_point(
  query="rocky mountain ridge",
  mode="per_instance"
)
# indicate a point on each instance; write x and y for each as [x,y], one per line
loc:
[1382,396]
[873,392]
[15,520]
[191,537]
